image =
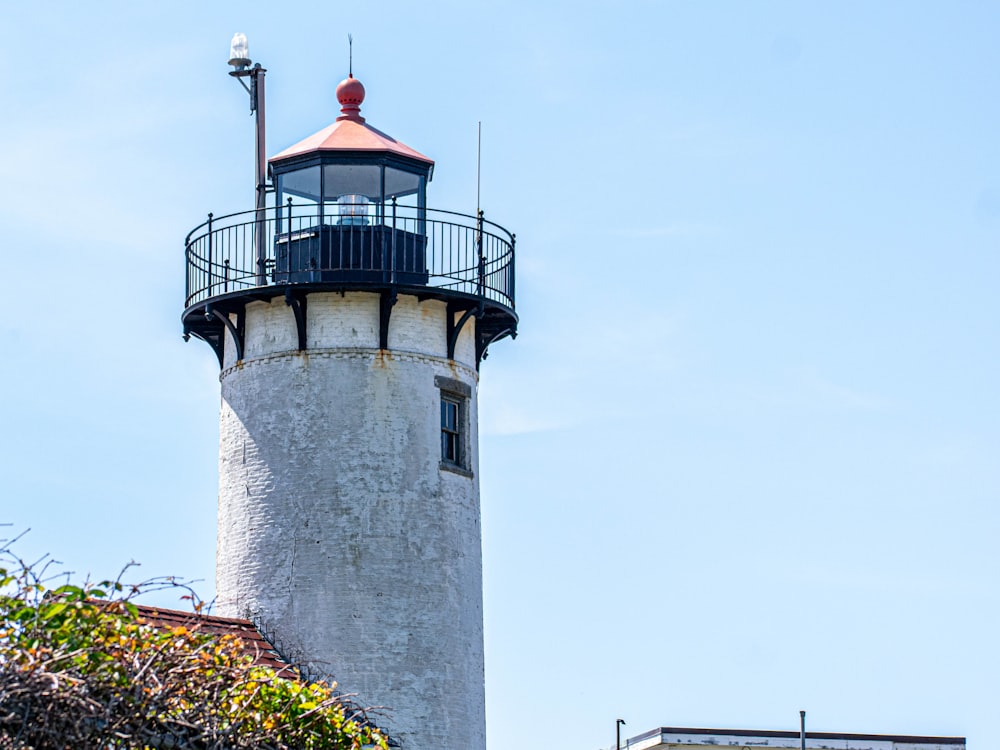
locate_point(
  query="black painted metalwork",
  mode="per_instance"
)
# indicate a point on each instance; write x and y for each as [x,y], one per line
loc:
[234,331]
[484,340]
[297,301]
[465,261]
[454,329]
[387,301]
[449,325]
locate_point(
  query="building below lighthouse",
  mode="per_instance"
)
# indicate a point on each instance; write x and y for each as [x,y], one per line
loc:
[350,320]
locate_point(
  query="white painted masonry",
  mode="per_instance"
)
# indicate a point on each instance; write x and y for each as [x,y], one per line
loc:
[339,533]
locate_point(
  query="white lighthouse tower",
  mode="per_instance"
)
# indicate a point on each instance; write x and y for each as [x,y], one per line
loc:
[349,320]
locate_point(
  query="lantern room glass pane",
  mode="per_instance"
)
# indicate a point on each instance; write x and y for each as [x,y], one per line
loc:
[352,179]
[297,200]
[399,183]
[302,183]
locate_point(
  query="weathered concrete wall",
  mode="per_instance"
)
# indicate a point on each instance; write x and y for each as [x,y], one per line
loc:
[339,531]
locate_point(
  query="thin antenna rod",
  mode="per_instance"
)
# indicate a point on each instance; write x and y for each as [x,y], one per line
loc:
[479,163]
[350,56]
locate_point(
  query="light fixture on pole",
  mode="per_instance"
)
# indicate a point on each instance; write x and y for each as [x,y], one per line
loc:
[243,67]
[618,733]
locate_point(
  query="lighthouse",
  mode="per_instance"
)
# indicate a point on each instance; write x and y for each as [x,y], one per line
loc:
[350,320]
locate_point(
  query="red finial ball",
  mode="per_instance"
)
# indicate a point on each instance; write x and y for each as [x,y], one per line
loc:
[350,94]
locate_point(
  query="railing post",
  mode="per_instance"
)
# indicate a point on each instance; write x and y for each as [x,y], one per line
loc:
[510,270]
[260,246]
[225,280]
[393,250]
[187,271]
[210,260]
[285,264]
[481,286]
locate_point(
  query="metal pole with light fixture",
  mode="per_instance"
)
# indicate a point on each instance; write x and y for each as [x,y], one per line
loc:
[618,733]
[239,58]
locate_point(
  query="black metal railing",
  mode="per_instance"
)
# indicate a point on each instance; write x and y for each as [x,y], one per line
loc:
[396,245]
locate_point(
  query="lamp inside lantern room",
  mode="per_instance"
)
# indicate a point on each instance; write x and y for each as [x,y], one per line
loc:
[353,210]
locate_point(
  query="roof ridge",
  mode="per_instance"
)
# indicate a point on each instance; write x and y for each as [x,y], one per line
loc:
[194,615]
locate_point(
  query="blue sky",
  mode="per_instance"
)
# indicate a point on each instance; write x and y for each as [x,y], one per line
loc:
[742,458]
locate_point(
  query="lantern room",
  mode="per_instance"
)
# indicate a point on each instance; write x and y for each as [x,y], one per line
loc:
[351,203]
[348,172]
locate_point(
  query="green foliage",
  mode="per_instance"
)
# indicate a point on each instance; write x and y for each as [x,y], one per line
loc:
[80,669]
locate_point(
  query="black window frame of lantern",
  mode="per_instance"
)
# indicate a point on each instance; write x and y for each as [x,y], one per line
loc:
[457,394]
[379,200]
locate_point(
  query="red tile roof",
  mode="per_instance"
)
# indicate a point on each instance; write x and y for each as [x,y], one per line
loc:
[350,135]
[254,644]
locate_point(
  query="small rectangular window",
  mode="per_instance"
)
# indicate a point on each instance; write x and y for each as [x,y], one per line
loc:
[456,431]
[451,434]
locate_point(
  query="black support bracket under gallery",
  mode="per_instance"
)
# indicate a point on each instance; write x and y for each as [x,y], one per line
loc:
[235,331]
[454,329]
[385,303]
[297,301]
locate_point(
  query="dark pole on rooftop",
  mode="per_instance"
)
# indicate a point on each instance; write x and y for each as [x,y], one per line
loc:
[802,728]
[618,733]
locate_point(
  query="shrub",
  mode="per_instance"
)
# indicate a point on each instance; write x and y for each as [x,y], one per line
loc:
[80,669]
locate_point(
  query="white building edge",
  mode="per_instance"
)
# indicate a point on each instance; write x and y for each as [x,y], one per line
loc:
[674,738]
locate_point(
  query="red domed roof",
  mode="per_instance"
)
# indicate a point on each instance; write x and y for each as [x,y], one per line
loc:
[350,132]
